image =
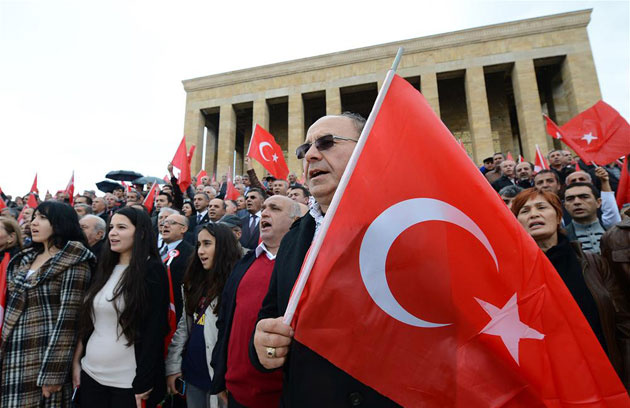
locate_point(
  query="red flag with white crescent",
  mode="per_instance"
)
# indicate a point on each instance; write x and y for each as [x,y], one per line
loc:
[264,149]
[202,173]
[540,163]
[437,300]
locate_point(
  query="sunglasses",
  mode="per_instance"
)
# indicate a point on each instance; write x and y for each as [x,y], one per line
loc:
[321,144]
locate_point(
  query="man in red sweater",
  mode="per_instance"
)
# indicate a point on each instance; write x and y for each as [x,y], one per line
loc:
[242,297]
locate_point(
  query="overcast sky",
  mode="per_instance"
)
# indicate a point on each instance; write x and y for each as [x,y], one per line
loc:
[96,86]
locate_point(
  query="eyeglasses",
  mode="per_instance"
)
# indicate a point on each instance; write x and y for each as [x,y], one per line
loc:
[171,222]
[321,144]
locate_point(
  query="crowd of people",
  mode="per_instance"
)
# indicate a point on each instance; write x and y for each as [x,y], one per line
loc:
[111,305]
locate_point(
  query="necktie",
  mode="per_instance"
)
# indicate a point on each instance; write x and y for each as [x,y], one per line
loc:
[164,252]
[199,218]
[252,223]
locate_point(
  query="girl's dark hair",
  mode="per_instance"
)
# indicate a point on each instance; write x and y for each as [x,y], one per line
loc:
[199,283]
[132,285]
[64,222]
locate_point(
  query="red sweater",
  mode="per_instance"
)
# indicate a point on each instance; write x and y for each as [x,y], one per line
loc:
[247,385]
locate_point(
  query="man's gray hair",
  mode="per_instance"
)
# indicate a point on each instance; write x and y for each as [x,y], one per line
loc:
[510,191]
[100,225]
[357,119]
[167,210]
[87,208]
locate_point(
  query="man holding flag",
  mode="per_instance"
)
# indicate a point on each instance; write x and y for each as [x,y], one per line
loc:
[480,317]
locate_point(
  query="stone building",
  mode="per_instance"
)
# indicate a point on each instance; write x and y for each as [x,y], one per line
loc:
[489,85]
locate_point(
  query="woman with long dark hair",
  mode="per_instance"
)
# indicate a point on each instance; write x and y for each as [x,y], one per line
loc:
[124,320]
[45,287]
[190,351]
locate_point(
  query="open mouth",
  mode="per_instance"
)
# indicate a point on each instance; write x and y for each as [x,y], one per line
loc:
[536,224]
[264,224]
[316,172]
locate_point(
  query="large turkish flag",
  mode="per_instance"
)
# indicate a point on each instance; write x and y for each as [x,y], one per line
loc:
[264,149]
[180,161]
[431,292]
[599,134]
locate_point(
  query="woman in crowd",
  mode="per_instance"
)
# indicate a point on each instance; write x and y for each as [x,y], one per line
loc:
[10,238]
[187,208]
[45,287]
[190,352]
[586,275]
[124,320]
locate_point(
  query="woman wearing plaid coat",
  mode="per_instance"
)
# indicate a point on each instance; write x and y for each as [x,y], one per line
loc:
[45,287]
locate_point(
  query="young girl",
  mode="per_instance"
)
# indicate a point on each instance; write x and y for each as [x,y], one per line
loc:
[125,320]
[190,351]
[45,286]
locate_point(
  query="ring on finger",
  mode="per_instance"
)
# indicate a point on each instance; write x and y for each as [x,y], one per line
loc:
[271,352]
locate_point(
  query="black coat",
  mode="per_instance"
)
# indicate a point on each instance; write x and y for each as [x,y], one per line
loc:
[249,240]
[224,321]
[503,181]
[309,380]
[193,228]
[178,268]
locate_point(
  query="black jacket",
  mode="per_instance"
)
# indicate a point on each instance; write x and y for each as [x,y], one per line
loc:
[193,227]
[149,347]
[178,268]
[249,240]
[503,181]
[309,380]
[224,322]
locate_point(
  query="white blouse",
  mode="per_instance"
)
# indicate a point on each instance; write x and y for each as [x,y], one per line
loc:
[107,359]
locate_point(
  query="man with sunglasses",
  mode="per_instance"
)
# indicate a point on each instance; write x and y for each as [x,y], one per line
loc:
[309,379]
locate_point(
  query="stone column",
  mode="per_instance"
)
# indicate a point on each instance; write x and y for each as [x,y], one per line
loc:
[211,150]
[260,116]
[194,122]
[579,80]
[227,139]
[429,87]
[478,113]
[333,101]
[296,131]
[529,114]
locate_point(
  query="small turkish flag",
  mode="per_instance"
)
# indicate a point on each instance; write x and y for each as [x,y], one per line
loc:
[521,159]
[70,189]
[598,135]
[541,162]
[202,173]
[191,153]
[231,193]
[264,149]
[437,300]
[180,162]
[32,201]
[150,198]
[509,156]
[34,186]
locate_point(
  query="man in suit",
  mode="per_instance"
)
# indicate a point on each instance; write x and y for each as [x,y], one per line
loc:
[250,222]
[200,202]
[242,297]
[99,208]
[173,230]
[309,379]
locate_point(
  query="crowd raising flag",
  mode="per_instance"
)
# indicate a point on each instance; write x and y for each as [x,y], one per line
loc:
[598,135]
[541,162]
[181,163]
[264,149]
[440,300]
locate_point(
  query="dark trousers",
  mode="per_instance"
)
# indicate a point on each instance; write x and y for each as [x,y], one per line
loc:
[94,395]
[232,403]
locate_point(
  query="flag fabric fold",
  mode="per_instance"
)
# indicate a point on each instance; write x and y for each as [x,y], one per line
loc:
[623,189]
[540,163]
[231,193]
[150,198]
[264,149]
[34,188]
[434,299]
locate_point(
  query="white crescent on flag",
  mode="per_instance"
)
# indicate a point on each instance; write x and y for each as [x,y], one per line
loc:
[382,233]
[260,149]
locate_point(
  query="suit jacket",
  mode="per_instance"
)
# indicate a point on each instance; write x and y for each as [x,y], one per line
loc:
[309,379]
[191,234]
[224,322]
[249,239]
[178,269]
[501,182]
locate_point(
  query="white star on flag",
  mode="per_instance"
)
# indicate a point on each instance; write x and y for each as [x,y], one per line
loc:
[275,157]
[506,323]
[589,137]
[558,135]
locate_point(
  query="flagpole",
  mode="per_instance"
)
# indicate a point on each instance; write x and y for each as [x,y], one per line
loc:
[332,209]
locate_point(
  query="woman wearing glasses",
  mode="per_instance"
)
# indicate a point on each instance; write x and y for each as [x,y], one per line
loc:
[124,320]
[190,352]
